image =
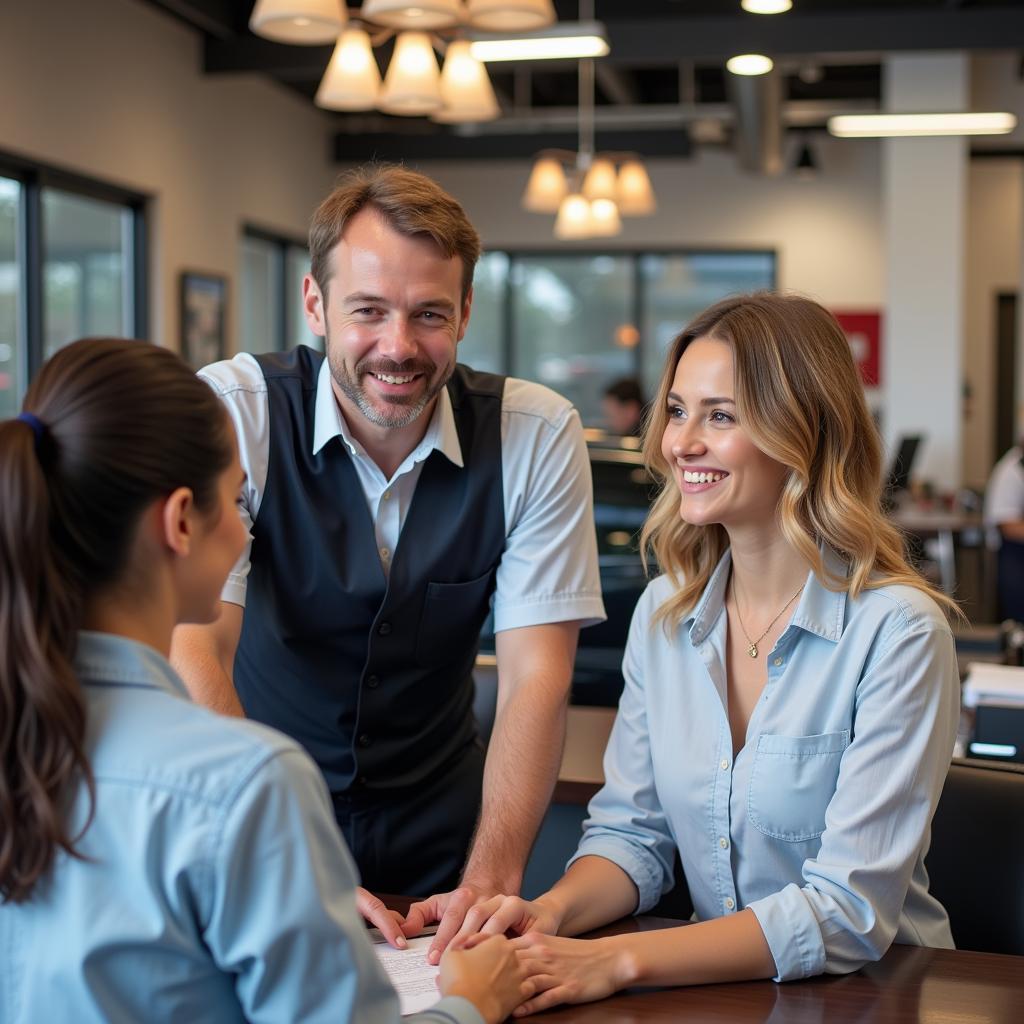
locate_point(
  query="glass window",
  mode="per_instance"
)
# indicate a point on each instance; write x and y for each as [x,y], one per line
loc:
[87,268]
[676,287]
[297,266]
[262,301]
[11,359]
[571,323]
[483,347]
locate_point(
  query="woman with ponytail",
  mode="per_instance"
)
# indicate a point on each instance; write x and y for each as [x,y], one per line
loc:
[158,862]
[791,693]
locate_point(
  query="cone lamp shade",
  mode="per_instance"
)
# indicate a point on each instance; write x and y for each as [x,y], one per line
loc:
[604,218]
[305,22]
[511,15]
[423,15]
[546,188]
[465,88]
[601,181]
[351,81]
[573,220]
[635,197]
[412,85]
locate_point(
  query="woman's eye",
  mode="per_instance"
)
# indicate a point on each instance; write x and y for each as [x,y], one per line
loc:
[675,412]
[721,417]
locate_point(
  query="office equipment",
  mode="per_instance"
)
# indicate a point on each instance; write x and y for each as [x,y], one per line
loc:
[899,473]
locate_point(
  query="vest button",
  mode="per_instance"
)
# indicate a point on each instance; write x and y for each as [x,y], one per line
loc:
[373,682]
[364,740]
[384,628]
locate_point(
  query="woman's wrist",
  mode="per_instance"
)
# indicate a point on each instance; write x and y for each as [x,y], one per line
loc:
[555,909]
[624,960]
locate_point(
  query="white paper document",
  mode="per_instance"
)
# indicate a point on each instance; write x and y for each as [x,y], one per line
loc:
[410,973]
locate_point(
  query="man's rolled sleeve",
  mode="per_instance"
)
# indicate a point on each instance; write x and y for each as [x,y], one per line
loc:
[549,572]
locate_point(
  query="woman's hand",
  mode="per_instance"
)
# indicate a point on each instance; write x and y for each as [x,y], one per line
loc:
[572,970]
[488,972]
[502,914]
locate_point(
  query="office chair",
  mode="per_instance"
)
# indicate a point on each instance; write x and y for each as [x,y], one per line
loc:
[976,861]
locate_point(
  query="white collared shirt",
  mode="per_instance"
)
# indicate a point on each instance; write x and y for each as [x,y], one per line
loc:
[548,572]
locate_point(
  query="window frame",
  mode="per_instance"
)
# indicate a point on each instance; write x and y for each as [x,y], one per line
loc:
[282,243]
[34,177]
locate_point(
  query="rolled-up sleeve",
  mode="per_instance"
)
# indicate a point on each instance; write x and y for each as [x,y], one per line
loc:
[627,824]
[549,572]
[878,821]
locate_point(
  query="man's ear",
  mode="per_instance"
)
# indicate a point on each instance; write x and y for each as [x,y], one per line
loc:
[313,306]
[177,521]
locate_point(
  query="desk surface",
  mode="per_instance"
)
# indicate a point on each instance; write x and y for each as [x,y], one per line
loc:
[909,985]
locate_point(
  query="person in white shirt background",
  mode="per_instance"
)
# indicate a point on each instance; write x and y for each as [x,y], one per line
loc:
[1004,515]
[791,693]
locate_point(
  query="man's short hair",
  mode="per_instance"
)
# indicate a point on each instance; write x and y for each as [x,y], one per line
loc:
[625,390]
[410,203]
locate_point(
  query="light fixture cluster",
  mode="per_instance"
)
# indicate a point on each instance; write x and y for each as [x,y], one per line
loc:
[593,197]
[413,86]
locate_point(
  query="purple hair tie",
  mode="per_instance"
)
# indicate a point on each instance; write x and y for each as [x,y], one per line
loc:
[37,425]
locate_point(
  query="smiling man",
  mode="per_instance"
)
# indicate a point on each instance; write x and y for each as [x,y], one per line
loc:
[392,495]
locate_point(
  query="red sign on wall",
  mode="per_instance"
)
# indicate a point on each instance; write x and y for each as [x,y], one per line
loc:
[864,333]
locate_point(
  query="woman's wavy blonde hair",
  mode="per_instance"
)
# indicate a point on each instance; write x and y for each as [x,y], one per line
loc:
[799,397]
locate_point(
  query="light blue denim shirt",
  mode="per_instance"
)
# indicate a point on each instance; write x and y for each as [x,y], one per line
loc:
[213,885]
[821,824]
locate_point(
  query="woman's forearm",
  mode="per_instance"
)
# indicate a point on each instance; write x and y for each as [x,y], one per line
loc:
[729,948]
[593,892]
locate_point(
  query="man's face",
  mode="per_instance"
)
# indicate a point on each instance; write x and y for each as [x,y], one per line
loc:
[392,320]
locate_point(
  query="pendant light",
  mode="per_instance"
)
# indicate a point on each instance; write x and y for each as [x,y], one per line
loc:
[305,22]
[352,81]
[412,85]
[423,15]
[466,90]
[547,186]
[635,194]
[511,15]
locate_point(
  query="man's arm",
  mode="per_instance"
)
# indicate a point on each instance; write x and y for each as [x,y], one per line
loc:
[525,753]
[204,657]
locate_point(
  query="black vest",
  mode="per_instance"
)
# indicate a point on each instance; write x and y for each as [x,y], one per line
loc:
[372,675]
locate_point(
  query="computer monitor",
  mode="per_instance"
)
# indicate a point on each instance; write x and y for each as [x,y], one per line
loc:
[899,474]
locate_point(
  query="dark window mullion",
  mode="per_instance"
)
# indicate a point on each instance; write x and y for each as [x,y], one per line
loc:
[32,246]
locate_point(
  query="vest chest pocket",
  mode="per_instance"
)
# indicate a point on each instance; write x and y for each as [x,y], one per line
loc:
[791,783]
[452,616]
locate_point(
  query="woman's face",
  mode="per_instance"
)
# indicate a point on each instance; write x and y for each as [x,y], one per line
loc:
[220,539]
[722,476]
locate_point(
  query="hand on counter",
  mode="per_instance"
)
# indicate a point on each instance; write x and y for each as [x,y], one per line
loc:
[388,921]
[449,909]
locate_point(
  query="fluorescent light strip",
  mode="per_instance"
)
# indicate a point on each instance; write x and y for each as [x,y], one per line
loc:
[994,749]
[881,125]
[539,48]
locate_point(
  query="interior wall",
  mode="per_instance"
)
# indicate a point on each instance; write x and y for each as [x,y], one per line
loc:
[113,89]
[995,229]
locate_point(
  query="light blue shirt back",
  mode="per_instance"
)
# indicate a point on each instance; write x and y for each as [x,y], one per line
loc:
[213,884]
[821,823]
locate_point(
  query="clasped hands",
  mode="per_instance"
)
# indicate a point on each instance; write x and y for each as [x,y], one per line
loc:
[552,969]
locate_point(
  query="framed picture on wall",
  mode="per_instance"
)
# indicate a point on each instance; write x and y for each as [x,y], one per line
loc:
[203,312]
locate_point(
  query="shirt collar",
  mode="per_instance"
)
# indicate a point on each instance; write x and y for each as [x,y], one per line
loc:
[820,611]
[329,423]
[110,660]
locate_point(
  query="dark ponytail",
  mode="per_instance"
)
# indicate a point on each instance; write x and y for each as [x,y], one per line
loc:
[110,426]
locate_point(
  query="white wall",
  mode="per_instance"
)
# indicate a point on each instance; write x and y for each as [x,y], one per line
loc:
[113,89]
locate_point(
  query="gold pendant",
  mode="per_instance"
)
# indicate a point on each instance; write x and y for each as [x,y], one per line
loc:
[752,650]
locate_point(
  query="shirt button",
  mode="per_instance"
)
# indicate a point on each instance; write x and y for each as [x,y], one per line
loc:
[385,554]
[364,740]
[723,843]
[777,662]
[384,628]
[724,764]
[386,495]
[729,903]
[373,682]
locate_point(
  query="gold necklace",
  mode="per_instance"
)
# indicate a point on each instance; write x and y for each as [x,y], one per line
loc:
[752,649]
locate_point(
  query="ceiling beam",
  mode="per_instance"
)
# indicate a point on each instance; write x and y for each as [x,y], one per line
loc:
[660,40]
[669,39]
[360,148]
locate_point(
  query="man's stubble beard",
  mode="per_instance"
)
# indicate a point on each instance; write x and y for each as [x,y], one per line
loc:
[406,409]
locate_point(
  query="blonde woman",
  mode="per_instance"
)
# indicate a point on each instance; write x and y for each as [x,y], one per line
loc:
[791,690]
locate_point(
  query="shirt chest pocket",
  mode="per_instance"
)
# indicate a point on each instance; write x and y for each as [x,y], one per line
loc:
[792,782]
[452,616]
